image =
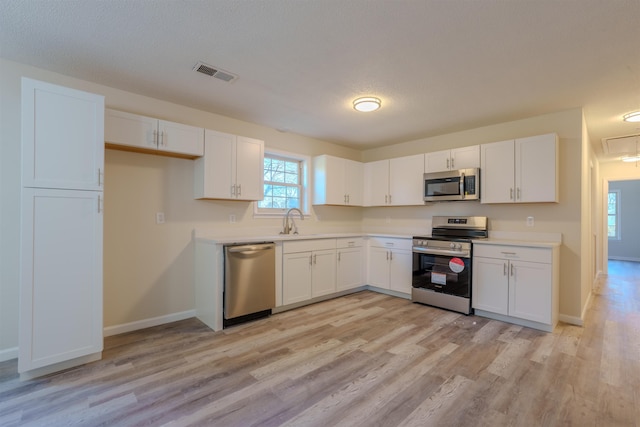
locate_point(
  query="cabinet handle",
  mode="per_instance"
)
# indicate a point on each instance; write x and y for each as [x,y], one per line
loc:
[452,166]
[518,194]
[447,163]
[161,143]
[511,270]
[338,256]
[348,199]
[386,197]
[155,138]
[389,198]
[511,194]
[100,174]
[504,269]
[239,190]
[390,256]
[233,190]
[315,260]
[100,207]
[310,259]
[387,255]
[344,198]
[508,253]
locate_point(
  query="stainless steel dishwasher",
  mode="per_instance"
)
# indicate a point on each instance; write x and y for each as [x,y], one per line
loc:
[249,282]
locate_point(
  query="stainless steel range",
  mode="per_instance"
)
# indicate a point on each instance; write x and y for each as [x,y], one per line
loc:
[442,262]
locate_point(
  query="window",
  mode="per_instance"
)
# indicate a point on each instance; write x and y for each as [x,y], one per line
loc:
[613,218]
[284,184]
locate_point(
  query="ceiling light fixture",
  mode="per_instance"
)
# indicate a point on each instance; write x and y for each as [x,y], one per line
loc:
[632,117]
[631,159]
[367,104]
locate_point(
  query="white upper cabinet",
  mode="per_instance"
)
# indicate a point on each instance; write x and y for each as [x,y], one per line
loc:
[395,182]
[145,134]
[524,170]
[231,168]
[62,137]
[337,181]
[457,158]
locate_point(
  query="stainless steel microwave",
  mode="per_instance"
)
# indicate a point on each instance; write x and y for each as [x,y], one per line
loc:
[460,184]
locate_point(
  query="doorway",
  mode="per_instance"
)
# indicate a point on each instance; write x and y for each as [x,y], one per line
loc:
[621,227]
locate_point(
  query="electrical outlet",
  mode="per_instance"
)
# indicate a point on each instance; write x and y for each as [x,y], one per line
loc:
[530,221]
[232,219]
[159,217]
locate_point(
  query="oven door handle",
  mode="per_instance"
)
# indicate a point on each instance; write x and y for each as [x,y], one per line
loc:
[431,251]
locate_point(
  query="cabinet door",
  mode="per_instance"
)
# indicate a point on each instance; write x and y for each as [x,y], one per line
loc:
[61,276]
[530,290]
[349,268]
[400,271]
[62,137]
[130,130]
[465,157]
[376,189]
[490,285]
[378,272]
[497,172]
[406,178]
[323,278]
[437,161]
[213,172]
[536,169]
[354,182]
[180,139]
[249,169]
[296,277]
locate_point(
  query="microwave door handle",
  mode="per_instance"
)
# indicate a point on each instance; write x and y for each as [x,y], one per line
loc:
[462,185]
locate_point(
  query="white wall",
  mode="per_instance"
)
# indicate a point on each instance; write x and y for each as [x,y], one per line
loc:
[627,248]
[148,268]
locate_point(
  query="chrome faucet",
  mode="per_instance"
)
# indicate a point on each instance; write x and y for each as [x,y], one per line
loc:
[288,226]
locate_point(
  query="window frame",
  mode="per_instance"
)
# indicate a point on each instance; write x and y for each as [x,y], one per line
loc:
[616,215]
[305,187]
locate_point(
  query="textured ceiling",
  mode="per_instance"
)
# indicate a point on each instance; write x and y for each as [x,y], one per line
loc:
[438,66]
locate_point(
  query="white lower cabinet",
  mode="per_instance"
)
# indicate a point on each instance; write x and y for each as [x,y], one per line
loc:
[519,284]
[350,263]
[390,264]
[61,290]
[308,269]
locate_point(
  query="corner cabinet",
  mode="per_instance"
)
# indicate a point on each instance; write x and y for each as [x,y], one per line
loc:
[394,182]
[131,132]
[390,264]
[457,158]
[517,284]
[231,168]
[61,228]
[337,181]
[524,170]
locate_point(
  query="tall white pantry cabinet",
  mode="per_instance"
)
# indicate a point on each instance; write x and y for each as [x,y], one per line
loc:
[61,228]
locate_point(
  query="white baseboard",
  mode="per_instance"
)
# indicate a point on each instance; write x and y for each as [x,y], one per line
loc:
[572,320]
[148,323]
[624,258]
[8,354]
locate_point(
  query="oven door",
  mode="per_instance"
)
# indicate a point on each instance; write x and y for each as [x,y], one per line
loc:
[447,274]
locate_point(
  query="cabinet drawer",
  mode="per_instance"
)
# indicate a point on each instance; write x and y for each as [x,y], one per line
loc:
[541,255]
[308,245]
[391,243]
[349,242]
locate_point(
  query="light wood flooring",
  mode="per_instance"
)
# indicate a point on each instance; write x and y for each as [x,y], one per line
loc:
[362,360]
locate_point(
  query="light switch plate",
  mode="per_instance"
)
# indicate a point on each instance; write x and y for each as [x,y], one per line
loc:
[530,221]
[159,217]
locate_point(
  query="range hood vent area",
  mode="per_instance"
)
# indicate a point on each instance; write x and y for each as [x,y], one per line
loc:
[621,145]
[212,71]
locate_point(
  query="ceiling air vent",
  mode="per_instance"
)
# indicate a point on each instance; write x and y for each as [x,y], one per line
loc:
[627,144]
[212,71]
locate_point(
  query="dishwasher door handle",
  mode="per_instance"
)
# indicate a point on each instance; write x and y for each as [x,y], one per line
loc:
[250,248]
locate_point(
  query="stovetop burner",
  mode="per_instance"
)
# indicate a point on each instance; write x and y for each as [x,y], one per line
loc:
[457,229]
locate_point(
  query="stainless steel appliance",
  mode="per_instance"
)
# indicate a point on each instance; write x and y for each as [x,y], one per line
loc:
[249,282]
[442,262]
[460,184]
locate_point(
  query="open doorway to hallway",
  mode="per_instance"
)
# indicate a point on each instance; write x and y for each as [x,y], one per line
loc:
[622,224]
